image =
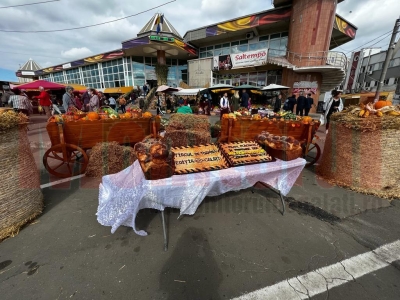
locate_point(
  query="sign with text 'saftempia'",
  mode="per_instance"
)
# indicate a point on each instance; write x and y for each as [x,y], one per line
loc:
[240,60]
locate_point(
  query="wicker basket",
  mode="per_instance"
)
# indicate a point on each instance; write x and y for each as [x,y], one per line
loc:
[21,198]
[285,155]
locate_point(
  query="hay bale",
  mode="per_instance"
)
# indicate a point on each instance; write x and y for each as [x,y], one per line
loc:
[188,122]
[365,162]
[21,198]
[109,158]
[183,138]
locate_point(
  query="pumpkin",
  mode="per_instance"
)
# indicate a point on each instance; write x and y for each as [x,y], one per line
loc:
[382,103]
[128,115]
[93,116]
[147,115]
[307,119]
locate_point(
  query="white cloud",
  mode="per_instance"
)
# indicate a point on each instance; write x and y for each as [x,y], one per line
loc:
[75,53]
[370,16]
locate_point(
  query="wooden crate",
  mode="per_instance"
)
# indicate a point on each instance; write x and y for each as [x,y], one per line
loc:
[86,134]
[246,130]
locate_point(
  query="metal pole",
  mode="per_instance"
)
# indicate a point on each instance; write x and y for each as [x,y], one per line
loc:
[387,59]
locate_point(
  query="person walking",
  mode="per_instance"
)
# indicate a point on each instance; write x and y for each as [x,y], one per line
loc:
[122,103]
[145,90]
[94,101]
[301,101]
[278,103]
[6,97]
[54,105]
[86,100]
[68,98]
[333,105]
[224,105]
[183,109]
[309,103]
[235,101]
[44,101]
[112,102]
[20,103]
[245,99]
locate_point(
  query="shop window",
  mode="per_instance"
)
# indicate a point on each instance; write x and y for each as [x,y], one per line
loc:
[261,77]
[138,59]
[284,34]
[243,48]
[147,61]
[217,46]
[244,42]
[235,43]
[263,38]
[275,36]
[243,78]
[253,79]
[210,48]
[253,47]
[203,55]
[202,49]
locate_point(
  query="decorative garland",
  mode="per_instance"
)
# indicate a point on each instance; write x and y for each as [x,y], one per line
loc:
[162,74]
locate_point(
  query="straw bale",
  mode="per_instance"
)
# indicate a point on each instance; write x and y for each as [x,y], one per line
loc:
[183,138]
[109,158]
[372,123]
[188,122]
[365,162]
[21,198]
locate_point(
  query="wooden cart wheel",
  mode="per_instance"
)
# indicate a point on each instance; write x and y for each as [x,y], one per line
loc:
[313,154]
[73,163]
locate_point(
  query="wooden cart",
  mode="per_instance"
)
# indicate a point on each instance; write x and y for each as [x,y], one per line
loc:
[67,156]
[243,129]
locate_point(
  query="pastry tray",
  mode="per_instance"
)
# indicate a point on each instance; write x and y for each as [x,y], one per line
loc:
[224,163]
[243,163]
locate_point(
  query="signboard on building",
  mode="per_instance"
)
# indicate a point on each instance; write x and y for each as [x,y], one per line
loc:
[199,72]
[353,68]
[66,66]
[305,87]
[161,38]
[28,73]
[240,60]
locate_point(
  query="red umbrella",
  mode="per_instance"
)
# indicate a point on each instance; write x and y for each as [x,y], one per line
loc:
[34,85]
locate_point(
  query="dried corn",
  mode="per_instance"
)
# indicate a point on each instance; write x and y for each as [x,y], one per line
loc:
[366,115]
[379,114]
[362,112]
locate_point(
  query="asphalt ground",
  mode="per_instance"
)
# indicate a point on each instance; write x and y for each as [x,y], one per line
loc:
[235,244]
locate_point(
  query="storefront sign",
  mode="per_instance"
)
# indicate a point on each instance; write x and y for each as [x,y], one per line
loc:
[161,38]
[67,66]
[353,69]
[240,60]
[28,73]
[306,87]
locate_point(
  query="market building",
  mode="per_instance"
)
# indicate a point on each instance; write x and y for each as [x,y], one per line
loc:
[365,69]
[282,45]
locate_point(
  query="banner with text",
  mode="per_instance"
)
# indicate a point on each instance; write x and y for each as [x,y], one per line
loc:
[240,60]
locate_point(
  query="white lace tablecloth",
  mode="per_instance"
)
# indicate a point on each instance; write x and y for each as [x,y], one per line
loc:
[122,195]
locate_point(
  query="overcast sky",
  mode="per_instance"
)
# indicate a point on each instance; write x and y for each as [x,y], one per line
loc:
[372,17]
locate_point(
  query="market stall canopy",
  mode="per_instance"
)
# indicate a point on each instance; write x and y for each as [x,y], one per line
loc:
[188,92]
[77,87]
[166,89]
[118,90]
[246,87]
[34,85]
[221,86]
[272,87]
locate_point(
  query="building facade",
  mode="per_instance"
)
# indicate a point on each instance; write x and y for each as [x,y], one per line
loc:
[281,45]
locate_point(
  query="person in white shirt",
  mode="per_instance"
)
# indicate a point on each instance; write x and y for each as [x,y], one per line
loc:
[112,102]
[224,105]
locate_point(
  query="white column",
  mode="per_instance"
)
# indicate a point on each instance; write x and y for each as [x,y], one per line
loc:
[100,67]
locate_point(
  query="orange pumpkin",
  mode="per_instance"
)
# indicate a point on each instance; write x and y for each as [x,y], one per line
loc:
[93,116]
[128,115]
[147,115]
[382,103]
[307,119]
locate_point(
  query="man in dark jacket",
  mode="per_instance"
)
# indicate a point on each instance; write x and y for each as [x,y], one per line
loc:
[308,105]
[301,101]
[245,99]
[86,99]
